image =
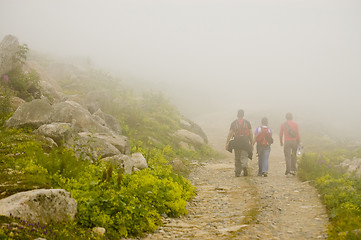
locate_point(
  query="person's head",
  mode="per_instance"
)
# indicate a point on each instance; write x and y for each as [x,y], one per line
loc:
[289,116]
[240,113]
[264,121]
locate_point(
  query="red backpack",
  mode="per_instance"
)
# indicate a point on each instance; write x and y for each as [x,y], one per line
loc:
[264,138]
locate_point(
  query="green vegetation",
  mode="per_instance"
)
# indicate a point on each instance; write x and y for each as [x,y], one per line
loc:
[340,191]
[125,205]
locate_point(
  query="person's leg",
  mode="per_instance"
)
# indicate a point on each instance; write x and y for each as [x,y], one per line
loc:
[265,157]
[294,157]
[244,162]
[287,152]
[237,162]
[260,158]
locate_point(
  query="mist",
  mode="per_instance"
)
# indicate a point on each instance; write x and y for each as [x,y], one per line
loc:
[212,58]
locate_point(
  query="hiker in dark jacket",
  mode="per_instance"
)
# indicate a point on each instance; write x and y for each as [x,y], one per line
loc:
[292,139]
[242,137]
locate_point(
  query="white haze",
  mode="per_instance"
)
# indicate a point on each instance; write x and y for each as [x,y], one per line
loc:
[213,57]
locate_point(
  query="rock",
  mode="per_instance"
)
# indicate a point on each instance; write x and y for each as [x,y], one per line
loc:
[139,161]
[94,146]
[185,124]
[99,231]
[16,102]
[188,136]
[97,100]
[49,87]
[178,165]
[79,117]
[186,146]
[32,114]
[59,132]
[193,127]
[109,120]
[353,165]
[119,142]
[128,163]
[9,47]
[42,205]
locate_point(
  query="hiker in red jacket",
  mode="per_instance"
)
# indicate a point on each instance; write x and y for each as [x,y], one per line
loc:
[292,139]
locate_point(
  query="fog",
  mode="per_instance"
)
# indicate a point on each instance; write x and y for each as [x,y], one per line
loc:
[213,57]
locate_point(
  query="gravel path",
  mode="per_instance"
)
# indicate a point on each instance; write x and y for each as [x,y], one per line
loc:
[226,207]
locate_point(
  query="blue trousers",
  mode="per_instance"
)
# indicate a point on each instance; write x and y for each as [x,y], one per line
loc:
[263,155]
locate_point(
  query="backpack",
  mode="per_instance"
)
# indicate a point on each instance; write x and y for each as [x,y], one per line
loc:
[240,130]
[241,140]
[291,132]
[264,138]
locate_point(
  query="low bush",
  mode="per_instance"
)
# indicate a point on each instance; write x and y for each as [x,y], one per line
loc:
[129,205]
[340,191]
[125,205]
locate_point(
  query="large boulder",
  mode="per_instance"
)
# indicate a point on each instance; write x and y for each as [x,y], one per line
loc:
[108,120]
[188,136]
[352,166]
[79,117]
[9,47]
[70,123]
[16,102]
[119,142]
[122,161]
[97,100]
[59,132]
[31,114]
[94,145]
[139,161]
[42,205]
[193,127]
[129,163]
[49,87]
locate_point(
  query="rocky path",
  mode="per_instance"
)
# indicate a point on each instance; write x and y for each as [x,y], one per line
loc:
[226,207]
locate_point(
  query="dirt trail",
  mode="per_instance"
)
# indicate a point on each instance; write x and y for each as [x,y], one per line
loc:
[226,207]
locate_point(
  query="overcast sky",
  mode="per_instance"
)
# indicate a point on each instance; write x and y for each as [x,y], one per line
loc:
[292,55]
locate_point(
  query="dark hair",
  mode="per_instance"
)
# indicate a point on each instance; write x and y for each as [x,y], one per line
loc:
[264,121]
[289,116]
[240,113]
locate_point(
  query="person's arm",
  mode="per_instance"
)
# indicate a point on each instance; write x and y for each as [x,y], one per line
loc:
[255,136]
[281,134]
[298,135]
[230,134]
[250,133]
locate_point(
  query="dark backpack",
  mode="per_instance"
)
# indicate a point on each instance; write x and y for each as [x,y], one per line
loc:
[264,138]
[241,140]
[291,132]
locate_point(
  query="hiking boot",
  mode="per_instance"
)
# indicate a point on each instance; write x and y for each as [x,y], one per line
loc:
[265,174]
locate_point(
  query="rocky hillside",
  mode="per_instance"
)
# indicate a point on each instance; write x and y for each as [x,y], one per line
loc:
[79,118]
[76,107]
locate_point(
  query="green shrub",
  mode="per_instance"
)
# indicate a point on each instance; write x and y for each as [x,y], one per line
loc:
[133,205]
[340,192]
[25,85]
[5,108]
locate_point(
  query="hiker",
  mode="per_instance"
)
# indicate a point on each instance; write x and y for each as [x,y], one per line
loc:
[263,138]
[240,138]
[292,140]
